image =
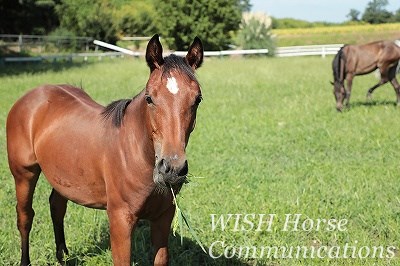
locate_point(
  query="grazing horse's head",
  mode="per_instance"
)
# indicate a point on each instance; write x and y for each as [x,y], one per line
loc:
[339,93]
[172,96]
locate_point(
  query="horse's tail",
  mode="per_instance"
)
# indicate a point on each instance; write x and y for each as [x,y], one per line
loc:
[338,67]
[397,43]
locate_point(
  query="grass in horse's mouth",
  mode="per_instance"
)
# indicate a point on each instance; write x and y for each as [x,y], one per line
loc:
[179,218]
[163,189]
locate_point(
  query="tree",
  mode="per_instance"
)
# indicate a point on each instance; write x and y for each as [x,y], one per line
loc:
[353,15]
[88,18]
[396,16]
[28,16]
[255,33]
[214,22]
[376,13]
[136,18]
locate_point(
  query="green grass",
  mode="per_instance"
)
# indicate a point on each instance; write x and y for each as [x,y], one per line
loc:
[268,140]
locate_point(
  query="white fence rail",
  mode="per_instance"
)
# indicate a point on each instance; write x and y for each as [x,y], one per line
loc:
[322,50]
[227,52]
[54,58]
[291,51]
[19,42]
[182,53]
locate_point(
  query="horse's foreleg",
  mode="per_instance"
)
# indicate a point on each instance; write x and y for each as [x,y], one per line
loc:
[121,224]
[58,207]
[25,182]
[349,79]
[160,229]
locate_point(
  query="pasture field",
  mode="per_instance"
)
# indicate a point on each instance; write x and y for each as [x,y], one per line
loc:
[347,34]
[268,141]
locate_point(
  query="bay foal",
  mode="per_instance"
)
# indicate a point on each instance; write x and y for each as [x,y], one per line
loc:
[123,158]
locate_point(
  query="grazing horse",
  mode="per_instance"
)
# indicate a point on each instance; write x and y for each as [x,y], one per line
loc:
[124,158]
[353,60]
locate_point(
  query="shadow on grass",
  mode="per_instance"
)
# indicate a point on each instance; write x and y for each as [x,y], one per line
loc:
[38,67]
[372,103]
[188,253]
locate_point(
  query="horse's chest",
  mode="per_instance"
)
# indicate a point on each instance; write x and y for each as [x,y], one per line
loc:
[156,205]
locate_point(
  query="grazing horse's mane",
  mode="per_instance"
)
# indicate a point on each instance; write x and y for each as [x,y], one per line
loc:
[116,109]
[337,75]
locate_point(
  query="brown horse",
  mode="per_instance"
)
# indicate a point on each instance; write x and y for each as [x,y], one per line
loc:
[123,158]
[353,60]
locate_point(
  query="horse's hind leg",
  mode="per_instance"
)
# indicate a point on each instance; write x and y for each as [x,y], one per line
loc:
[25,182]
[371,90]
[58,207]
[384,78]
[395,83]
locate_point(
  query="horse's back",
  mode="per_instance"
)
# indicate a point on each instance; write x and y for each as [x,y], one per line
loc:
[48,96]
[59,129]
[391,51]
[21,121]
[46,104]
[38,111]
[363,59]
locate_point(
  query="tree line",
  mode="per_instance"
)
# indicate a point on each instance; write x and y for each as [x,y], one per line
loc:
[218,23]
[177,21]
[375,13]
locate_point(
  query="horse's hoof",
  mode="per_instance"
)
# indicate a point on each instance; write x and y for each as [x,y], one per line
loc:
[61,254]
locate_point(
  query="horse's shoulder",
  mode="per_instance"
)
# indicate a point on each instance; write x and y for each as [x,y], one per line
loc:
[63,94]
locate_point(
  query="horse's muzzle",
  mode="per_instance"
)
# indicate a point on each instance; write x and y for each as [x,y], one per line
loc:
[167,174]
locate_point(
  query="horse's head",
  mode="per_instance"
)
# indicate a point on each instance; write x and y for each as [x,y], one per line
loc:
[172,97]
[340,93]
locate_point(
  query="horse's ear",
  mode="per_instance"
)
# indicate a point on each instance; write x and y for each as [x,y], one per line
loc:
[195,54]
[154,53]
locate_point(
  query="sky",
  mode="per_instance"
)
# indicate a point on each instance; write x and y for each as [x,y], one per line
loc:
[315,10]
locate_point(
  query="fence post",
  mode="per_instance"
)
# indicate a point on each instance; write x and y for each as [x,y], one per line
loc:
[20,43]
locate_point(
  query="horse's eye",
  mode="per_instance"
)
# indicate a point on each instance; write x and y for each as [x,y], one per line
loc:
[148,98]
[198,99]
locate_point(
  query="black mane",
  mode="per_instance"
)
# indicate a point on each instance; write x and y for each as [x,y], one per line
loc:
[116,111]
[336,66]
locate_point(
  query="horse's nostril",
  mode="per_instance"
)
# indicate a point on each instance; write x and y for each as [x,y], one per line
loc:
[184,170]
[164,167]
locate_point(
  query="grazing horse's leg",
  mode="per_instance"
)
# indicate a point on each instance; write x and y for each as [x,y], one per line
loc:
[349,79]
[58,207]
[394,82]
[122,222]
[160,229]
[25,182]
[384,78]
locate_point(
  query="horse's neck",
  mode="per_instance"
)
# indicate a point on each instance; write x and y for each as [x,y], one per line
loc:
[134,129]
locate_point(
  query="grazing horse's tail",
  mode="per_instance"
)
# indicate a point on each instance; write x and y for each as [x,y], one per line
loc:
[338,67]
[397,42]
